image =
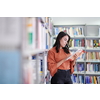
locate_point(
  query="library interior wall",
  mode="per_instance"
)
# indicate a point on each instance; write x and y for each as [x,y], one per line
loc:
[76,20]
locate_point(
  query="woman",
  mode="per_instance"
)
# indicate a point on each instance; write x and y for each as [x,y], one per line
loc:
[60,68]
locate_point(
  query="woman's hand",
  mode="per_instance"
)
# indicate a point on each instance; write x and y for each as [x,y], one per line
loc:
[73,59]
[73,62]
[75,56]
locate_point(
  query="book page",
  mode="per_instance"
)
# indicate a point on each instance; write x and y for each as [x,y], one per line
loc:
[78,51]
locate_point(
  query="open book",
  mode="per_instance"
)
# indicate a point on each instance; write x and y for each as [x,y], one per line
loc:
[79,52]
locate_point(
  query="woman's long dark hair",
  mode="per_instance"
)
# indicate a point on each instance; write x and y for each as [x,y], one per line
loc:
[57,43]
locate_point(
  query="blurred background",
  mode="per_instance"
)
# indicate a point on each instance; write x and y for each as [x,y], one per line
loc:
[24,42]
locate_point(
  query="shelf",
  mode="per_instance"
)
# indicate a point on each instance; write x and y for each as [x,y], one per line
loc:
[98,61]
[87,37]
[34,52]
[78,73]
[80,61]
[93,73]
[78,36]
[93,49]
[92,37]
[72,37]
[89,73]
[75,48]
[75,83]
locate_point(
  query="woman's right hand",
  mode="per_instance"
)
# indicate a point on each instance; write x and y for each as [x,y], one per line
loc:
[75,56]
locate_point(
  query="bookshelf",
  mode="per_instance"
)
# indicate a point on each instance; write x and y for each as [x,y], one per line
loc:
[87,37]
[24,42]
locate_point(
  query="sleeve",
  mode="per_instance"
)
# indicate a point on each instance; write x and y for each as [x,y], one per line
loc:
[72,67]
[52,65]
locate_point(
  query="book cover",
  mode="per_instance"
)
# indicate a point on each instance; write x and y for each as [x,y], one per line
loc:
[90,79]
[80,79]
[99,43]
[82,65]
[70,43]
[83,43]
[95,80]
[94,43]
[97,55]
[86,79]
[87,57]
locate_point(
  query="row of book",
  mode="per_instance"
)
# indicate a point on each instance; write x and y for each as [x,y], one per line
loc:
[95,56]
[28,72]
[92,79]
[31,70]
[77,79]
[92,67]
[77,43]
[40,67]
[91,43]
[72,31]
[37,34]
[80,67]
[87,80]
[89,56]
[43,37]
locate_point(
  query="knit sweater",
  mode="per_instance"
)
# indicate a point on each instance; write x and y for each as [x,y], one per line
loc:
[53,58]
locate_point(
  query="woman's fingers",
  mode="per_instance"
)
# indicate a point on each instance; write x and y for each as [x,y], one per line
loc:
[75,56]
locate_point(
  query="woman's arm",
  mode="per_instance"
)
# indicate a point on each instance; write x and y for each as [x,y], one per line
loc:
[60,62]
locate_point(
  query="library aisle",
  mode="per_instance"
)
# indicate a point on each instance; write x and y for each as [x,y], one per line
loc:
[24,44]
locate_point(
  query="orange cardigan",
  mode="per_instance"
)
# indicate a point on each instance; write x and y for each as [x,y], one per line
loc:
[53,58]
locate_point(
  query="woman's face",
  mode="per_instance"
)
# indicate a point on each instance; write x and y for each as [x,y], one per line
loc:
[63,41]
